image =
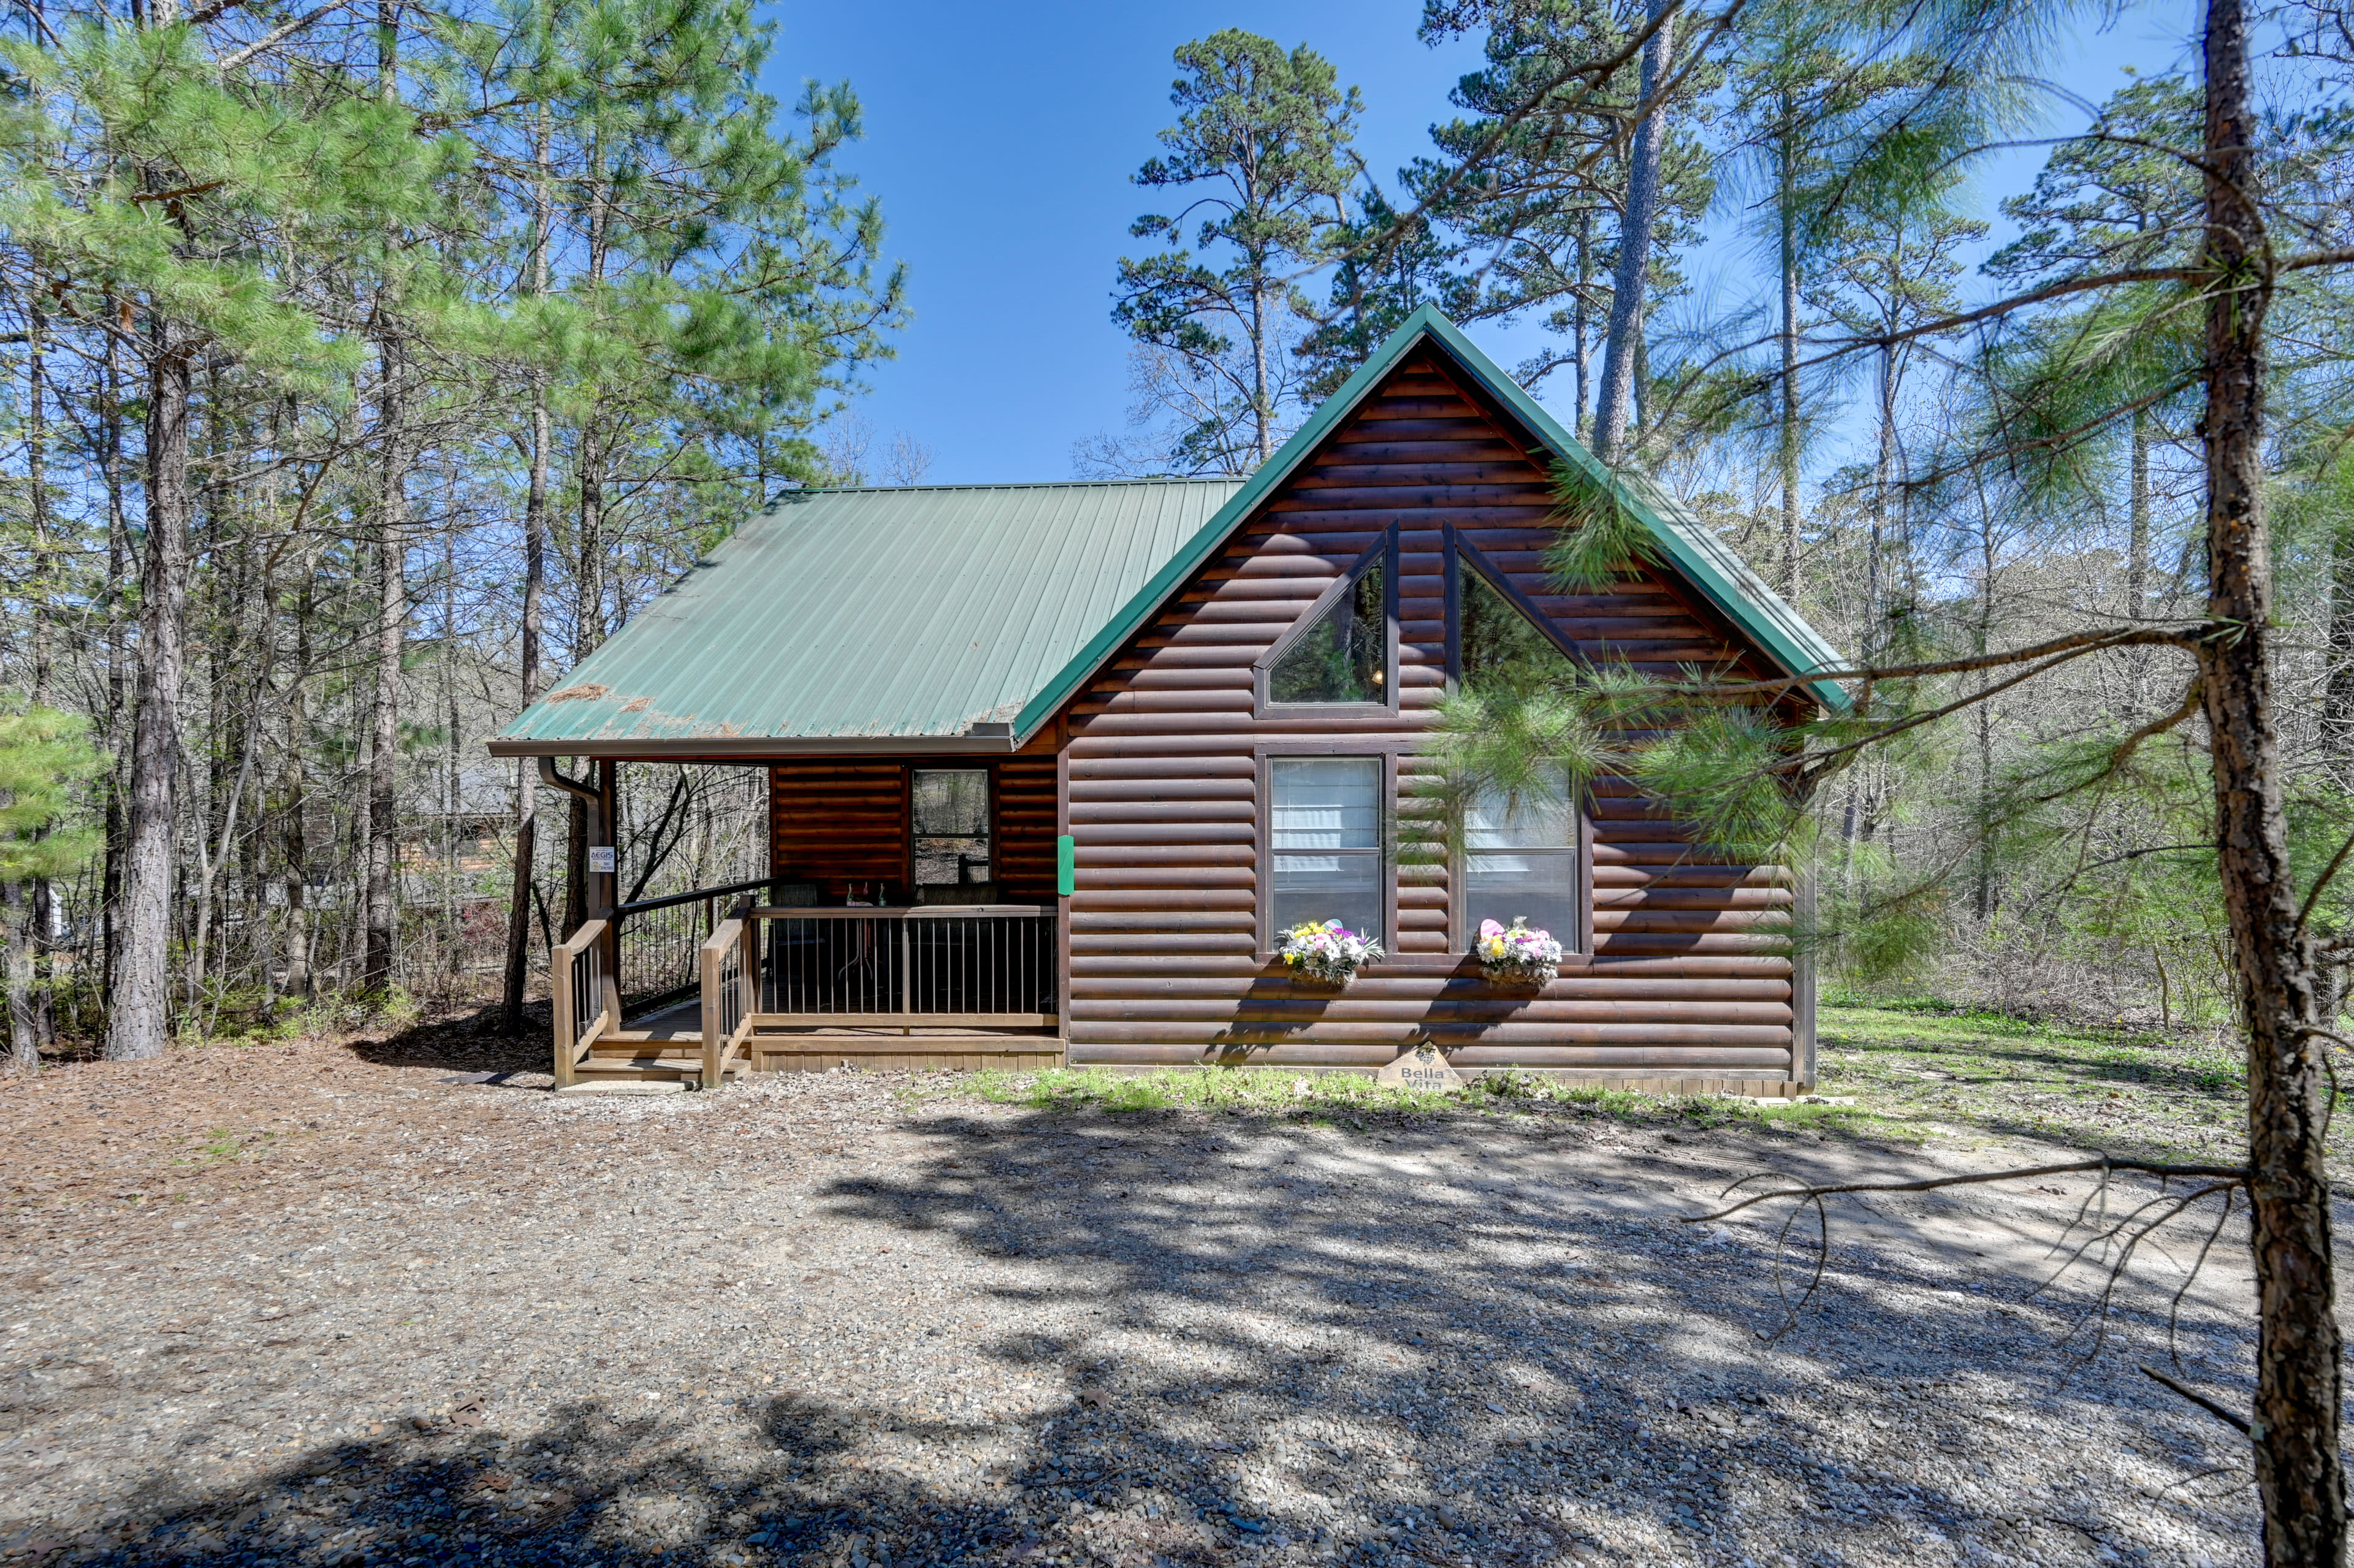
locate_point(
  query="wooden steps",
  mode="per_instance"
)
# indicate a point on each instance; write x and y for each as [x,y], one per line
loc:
[634,1054]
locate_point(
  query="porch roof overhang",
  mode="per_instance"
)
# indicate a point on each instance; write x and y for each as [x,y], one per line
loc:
[909,621]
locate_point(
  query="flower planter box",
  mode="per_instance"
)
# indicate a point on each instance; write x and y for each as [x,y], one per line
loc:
[1516,957]
[1325,953]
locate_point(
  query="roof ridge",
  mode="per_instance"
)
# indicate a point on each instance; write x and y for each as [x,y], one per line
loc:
[1011,484]
[1690,549]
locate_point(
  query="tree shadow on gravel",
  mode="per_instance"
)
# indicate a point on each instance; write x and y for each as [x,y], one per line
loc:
[1280,1362]
[590,1485]
[1445,1336]
[472,1042]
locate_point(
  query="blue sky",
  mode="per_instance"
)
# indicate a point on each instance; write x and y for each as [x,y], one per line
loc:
[1000,138]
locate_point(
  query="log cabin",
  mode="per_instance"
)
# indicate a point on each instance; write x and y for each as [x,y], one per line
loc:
[1050,767]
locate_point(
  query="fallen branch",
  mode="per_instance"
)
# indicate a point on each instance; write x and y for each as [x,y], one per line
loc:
[2146,1167]
[2237,1422]
[2132,1229]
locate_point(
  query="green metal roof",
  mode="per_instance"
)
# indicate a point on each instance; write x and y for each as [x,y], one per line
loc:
[1694,552]
[920,618]
[963,617]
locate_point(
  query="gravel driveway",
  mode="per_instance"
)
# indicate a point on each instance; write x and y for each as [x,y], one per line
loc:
[325,1304]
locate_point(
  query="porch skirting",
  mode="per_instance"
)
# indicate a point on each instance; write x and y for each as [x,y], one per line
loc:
[1630,1081]
[895,1050]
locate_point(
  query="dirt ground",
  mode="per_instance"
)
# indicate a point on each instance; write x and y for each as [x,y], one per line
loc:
[344,1303]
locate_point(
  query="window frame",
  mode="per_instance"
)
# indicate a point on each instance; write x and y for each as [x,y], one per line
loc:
[1581,853]
[1382,552]
[908,812]
[1462,553]
[1271,753]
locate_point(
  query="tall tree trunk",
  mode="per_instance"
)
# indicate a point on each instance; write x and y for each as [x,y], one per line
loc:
[534,587]
[118,566]
[296,802]
[1579,311]
[1615,402]
[1983,894]
[2338,687]
[1260,426]
[379,944]
[139,1022]
[2137,563]
[2300,1474]
[39,924]
[16,929]
[1786,159]
[1876,597]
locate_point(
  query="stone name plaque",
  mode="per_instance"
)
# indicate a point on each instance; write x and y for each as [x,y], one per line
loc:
[1421,1068]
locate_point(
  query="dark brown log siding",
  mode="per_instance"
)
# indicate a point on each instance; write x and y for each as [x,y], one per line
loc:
[1025,828]
[837,821]
[1163,798]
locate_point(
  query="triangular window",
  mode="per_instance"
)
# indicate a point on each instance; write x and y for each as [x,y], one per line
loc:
[1499,646]
[1343,655]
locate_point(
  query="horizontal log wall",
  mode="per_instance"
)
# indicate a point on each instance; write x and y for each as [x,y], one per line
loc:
[1026,827]
[835,821]
[1687,981]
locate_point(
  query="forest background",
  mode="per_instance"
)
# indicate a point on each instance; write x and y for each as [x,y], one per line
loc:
[365,365]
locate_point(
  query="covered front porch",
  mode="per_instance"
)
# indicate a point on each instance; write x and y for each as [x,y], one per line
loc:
[827,962]
[890,661]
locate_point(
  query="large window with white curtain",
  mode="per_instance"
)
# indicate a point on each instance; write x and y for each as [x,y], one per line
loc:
[1325,835]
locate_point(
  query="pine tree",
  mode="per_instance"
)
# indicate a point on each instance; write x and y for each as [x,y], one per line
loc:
[1265,135]
[44,762]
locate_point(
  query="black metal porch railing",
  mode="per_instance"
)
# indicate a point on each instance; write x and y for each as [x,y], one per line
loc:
[990,964]
[658,941]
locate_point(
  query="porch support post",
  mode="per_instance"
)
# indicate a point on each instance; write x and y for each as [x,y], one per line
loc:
[608,884]
[715,1027]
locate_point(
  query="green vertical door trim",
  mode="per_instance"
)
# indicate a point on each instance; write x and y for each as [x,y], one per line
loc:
[1067,866]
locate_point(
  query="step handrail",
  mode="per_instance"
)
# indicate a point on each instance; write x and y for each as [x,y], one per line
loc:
[728,964]
[576,967]
[664,901]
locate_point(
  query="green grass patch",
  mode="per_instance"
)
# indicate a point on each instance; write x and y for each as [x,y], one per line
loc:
[1917,1068]
[1356,1102]
[2121,1091]
[223,1144]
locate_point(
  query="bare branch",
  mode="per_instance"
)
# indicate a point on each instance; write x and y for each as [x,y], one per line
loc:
[1931,1184]
[2238,1424]
[2321,885]
[2075,643]
[272,38]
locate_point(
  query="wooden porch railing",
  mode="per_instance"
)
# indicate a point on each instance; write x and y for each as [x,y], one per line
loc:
[730,967]
[581,987]
[941,966]
[903,968]
[657,942]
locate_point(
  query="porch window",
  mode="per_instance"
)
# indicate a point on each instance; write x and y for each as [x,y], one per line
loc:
[1343,654]
[1325,835]
[949,811]
[1520,859]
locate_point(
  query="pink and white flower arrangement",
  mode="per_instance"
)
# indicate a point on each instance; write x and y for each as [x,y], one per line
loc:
[1517,955]
[1327,951]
